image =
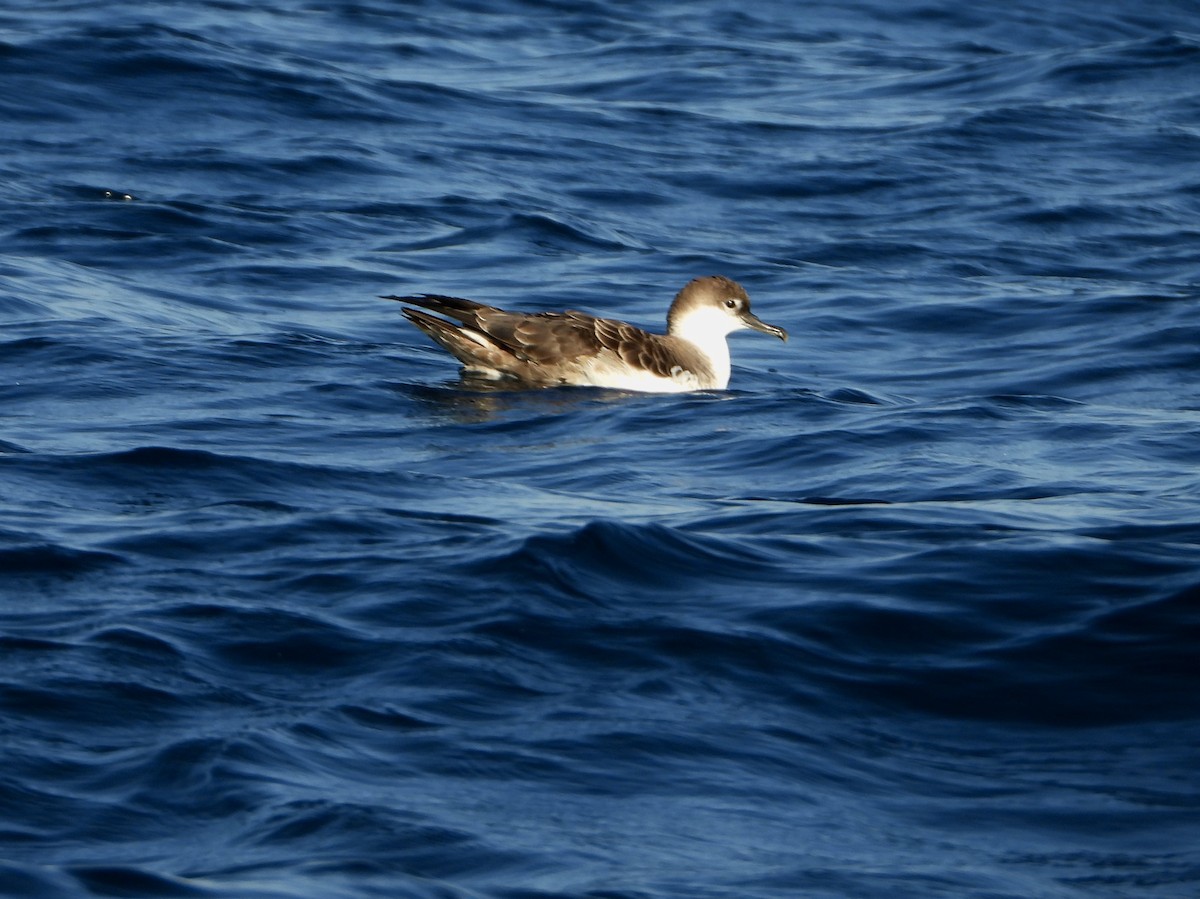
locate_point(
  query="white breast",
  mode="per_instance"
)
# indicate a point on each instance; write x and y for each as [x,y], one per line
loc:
[706,328]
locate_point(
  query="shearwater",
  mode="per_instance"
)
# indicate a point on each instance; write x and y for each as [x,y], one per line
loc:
[555,348]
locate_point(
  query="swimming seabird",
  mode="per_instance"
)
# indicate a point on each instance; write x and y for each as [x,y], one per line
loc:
[549,348]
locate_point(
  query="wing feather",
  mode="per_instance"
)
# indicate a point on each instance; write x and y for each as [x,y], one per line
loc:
[551,339]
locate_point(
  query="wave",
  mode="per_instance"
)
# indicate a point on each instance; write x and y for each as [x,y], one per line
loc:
[948,648]
[54,561]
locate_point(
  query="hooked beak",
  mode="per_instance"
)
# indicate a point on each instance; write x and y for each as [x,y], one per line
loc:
[750,320]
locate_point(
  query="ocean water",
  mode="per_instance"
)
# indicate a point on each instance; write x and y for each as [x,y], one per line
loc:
[289,609]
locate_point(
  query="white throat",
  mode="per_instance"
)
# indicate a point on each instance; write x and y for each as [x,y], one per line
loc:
[707,329]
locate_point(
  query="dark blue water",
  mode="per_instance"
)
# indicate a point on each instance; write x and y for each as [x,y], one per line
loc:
[287,609]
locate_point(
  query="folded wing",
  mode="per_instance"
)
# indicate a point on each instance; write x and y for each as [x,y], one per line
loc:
[542,346]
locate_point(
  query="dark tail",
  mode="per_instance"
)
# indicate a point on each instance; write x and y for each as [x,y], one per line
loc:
[437,328]
[452,307]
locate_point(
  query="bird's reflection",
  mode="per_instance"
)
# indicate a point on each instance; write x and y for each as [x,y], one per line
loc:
[472,399]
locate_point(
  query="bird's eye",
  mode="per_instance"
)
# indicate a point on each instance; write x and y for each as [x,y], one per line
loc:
[731,304]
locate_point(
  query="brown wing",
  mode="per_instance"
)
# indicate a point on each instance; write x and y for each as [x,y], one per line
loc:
[663,356]
[536,337]
[551,338]
[542,337]
[556,337]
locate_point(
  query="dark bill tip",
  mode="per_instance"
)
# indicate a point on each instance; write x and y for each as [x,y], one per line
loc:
[753,321]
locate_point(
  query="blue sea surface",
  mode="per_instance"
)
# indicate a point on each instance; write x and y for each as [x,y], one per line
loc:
[290,609]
